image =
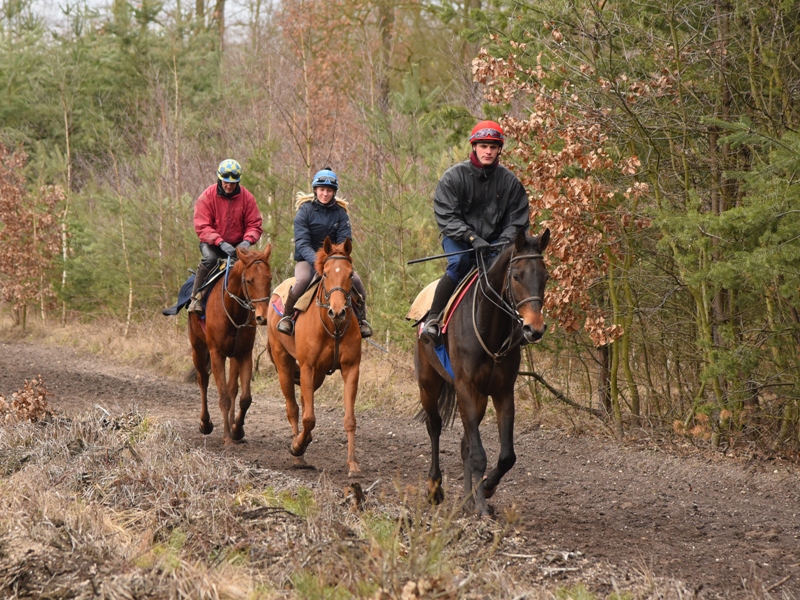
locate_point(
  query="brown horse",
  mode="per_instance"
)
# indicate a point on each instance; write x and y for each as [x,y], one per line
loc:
[326,338]
[501,311]
[236,303]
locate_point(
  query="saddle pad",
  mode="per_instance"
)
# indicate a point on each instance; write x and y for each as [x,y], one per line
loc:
[282,291]
[422,303]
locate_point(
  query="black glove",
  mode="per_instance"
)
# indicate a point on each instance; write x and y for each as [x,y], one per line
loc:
[480,244]
[245,245]
[227,249]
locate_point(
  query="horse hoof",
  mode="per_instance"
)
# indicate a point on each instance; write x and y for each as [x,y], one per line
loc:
[206,428]
[354,472]
[435,494]
[237,433]
[487,492]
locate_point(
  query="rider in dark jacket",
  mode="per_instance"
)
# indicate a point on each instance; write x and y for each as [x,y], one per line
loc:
[477,203]
[318,218]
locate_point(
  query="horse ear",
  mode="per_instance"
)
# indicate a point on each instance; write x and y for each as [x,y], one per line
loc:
[348,246]
[544,240]
[267,251]
[519,240]
[327,245]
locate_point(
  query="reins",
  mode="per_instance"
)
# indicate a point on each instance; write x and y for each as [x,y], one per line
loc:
[510,307]
[337,334]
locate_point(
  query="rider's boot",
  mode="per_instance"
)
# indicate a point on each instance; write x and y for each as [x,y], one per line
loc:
[444,289]
[361,314]
[196,305]
[286,324]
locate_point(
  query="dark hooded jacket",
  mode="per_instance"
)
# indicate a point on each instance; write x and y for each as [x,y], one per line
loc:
[314,222]
[489,201]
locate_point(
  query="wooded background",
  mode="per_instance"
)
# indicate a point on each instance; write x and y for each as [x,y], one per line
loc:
[657,139]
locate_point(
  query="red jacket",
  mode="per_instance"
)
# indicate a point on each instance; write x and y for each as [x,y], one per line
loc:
[218,219]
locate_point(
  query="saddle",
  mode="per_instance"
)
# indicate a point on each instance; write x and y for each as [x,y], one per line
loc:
[302,304]
[422,303]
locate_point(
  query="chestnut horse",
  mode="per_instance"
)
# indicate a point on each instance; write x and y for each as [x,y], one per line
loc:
[499,312]
[236,303]
[326,338]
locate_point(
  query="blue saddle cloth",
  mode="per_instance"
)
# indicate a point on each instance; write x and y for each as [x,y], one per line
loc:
[444,358]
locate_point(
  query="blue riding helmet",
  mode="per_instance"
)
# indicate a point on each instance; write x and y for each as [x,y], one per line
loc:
[327,178]
[229,171]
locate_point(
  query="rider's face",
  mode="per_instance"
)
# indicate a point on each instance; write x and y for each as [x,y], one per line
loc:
[324,193]
[487,152]
[228,186]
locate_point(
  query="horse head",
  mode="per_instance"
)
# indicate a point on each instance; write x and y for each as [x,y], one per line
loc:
[335,265]
[256,277]
[527,276]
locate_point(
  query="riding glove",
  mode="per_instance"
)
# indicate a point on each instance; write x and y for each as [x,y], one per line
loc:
[480,244]
[227,249]
[245,245]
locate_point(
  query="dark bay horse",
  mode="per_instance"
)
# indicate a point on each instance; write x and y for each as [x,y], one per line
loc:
[502,310]
[236,303]
[326,338]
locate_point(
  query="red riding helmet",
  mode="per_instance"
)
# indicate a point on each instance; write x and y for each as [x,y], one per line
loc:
[487,131]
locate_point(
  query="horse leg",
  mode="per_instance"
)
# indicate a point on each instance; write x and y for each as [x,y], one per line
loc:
[308,385]
[504,407]
[200,360]
[430,387]
[473,407]
[350,376]
[245,375]
[218,368]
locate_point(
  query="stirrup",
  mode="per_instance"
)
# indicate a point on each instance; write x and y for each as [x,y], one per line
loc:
[286,325]
[432,327]
[366,330]
[195,306]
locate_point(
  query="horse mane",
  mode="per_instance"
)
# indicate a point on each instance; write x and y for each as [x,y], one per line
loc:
[322,257]
[301,198]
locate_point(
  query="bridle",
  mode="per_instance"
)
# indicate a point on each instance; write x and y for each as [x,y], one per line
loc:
[248,303]
[338,329]
[505,302]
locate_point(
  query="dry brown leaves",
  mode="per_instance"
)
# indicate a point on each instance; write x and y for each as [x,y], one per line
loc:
[30,235]
[28,404]
[560,155]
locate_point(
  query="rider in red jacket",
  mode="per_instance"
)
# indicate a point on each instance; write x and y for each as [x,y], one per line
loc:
[225,217]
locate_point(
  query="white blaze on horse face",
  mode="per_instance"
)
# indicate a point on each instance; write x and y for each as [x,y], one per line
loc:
[337,269]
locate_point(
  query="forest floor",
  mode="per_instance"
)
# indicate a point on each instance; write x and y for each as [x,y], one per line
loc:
[727,525]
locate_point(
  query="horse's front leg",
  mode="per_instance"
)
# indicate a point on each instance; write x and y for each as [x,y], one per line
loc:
[504,406]
[245,374]
[472,408]
[200,361]
[218,369]
[308,385]
[350,375]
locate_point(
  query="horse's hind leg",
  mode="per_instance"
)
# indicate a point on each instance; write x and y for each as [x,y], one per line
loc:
[504,407]
[430,389]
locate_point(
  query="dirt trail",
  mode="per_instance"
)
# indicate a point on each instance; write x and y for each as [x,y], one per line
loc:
[724,526]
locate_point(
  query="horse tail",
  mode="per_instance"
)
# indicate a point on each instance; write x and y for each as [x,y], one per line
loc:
[446,405]
[191,375]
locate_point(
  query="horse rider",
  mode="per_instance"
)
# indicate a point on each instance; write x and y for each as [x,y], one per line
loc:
[225,217]
[478,202]
[320,215]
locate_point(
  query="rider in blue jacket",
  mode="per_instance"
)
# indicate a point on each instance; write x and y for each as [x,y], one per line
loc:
[321,217]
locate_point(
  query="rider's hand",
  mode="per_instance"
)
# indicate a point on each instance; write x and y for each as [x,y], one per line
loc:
[245,245]
[227,249]
[480,244]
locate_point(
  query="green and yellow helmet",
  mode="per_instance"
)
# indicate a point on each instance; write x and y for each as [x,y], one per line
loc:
[229,170]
